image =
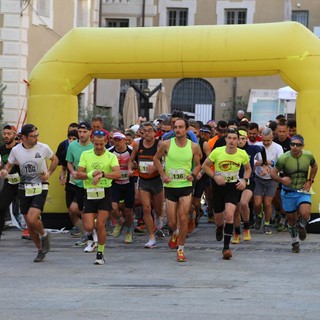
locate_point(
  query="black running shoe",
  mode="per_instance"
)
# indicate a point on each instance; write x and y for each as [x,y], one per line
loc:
[40,257]
[296,247]
[219,233]
[45,244]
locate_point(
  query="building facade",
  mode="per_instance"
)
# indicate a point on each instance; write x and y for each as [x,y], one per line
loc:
[28,29]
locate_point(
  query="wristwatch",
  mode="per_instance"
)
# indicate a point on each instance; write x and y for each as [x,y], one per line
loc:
[247,181]
[311,180]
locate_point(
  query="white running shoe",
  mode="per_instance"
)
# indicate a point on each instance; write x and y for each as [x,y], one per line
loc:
[152,243]
[91,246]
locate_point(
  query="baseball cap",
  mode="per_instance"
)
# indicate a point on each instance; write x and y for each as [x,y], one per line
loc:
[28,128]
[10,127]
[84,125]
[119,135]
[135,128]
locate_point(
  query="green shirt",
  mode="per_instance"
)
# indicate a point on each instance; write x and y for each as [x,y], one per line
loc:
[228,165]
[295,168]
[178,164]
[74,152]
[90,161]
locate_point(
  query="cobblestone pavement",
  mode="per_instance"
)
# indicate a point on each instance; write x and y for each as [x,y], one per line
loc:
[263,280]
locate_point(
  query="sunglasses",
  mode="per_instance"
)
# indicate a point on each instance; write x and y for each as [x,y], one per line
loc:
[297,144]
[99,133]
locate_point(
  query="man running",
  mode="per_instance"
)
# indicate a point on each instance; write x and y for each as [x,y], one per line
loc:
[98,167]
[296,186]
[181,155]
[227,185]
[31,157]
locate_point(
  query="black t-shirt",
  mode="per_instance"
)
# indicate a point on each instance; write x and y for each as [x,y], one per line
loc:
[4,152]
[284,144]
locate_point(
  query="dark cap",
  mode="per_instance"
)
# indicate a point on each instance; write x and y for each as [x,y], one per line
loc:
[28,128]
[10,127]
[84,125]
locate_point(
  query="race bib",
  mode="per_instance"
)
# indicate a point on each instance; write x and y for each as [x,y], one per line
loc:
[143,166]
[230,176]
[13,178]
[124,175]
[95,193]
[33,189]
[179,174]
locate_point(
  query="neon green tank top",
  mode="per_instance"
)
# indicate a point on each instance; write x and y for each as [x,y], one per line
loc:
[178,164]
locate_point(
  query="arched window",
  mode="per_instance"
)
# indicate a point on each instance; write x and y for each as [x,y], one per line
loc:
[189,94]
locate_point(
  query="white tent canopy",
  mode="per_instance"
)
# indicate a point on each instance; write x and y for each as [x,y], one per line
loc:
[287,93]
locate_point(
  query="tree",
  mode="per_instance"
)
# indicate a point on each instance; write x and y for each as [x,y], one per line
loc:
[105,113]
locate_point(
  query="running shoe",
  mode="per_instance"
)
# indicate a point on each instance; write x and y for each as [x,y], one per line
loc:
[258,222]
[91,246]
[226,254]
[128,239]
[140,230]
[173,241]
[282,227]
[83,241]
[159,233]
[267,230]
[75,232]
[236,239]
[117,229]
[302,233]
[45,244]
[180,256]
[26,235]
[152,243]
[99,258]
[246,235]
[219,233]
[296,247]
[40,257]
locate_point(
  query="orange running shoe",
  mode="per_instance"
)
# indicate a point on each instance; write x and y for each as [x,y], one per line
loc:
[173,241]
[180,256]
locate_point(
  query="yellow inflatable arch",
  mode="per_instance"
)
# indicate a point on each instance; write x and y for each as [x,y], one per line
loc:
[287,49]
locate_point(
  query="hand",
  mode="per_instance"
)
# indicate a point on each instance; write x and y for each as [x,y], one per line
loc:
[241,185]
[190,177]
[44,176]
[166,179]
[307,186]
[63,180]
[219,180]
[3,173]
[286,181]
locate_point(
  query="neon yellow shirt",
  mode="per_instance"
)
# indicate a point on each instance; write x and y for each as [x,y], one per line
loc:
[90,161]
[228,165]
[179,164]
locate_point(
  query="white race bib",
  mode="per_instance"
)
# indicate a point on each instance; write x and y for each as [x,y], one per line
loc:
[143,166]
[33,189]
[13,178]
[178,174]
[95,193]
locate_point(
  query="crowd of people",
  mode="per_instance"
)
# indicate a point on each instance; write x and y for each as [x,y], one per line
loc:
[156,175]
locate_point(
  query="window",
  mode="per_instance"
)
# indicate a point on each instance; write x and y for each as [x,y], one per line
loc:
[43,13]
[43,8]
[178,17]
[237,16]
[117,23]
[301,16]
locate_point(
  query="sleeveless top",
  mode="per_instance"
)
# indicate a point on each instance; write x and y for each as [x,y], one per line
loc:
[179,164]
[145,159]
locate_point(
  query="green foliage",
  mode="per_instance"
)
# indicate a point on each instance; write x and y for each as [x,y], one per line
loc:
[230,110]
[105,113]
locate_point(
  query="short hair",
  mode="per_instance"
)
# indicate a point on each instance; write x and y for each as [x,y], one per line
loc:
[177,114]
[253,125]
[273,125]
[267,132]
[292,123]
[194,123]
[148,124]
[97,118]
[280,116]
[73,133]
[221,124]
[233,131]
[244,123]
[282,122]
[232,123]
[73,125]
[166,122]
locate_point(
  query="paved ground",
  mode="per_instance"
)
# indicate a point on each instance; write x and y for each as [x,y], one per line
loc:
[264,280]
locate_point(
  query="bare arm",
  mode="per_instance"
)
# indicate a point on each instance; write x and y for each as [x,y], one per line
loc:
[162,151]
[7,168]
